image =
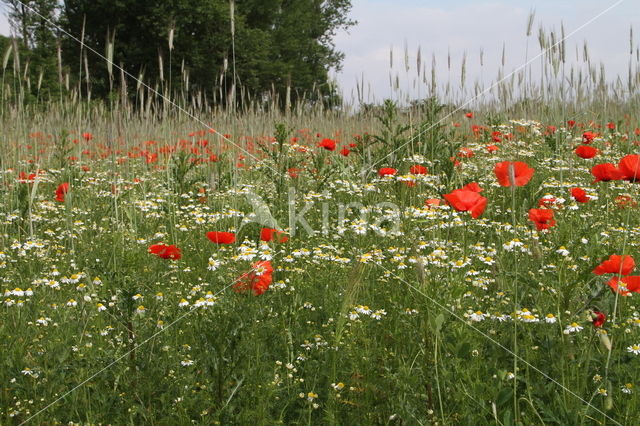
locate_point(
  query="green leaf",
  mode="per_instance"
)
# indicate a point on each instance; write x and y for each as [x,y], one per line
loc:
[436,322]
[504,396]
[507,418]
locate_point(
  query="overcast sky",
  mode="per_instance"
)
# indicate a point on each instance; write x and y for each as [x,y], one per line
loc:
[439,26]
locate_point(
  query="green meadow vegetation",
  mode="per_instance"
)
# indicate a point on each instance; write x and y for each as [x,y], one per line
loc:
[169,257]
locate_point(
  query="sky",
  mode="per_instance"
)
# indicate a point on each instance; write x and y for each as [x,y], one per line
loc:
[464,27]
[438,27]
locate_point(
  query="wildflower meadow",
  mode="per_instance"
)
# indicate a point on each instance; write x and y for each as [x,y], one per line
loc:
[171,274]
[165,261]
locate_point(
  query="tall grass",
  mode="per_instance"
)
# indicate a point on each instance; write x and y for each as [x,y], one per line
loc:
[395,312]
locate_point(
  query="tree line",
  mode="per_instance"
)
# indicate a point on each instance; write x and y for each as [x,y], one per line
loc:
[229,51]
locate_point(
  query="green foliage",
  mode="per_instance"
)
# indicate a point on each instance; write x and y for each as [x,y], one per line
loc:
[388,146]
[358,327]
[62,149]
[278,44]
[277,155]
[36,66]
[181,165]
[392,133]
[433,139]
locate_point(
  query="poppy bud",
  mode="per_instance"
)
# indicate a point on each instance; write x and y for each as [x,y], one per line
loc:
[604,340]
[598,318]
[608,402]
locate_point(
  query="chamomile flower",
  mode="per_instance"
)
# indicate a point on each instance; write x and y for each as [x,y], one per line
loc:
[574,327]
[634,349]
[213,264]
[28,372]
[377,315]
[337,386]
[476,316]
[364,310]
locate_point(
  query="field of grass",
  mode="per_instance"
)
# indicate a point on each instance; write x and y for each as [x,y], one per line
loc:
[352,285]
[168,260]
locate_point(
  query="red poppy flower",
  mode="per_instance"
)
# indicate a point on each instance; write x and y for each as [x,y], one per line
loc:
[623,201]
[387,171]
[469,115]
[151,158]
[629,166]
[261,285]
[23,177]
[293,172]
[511,173]
[165,251]
[271,234]
[87,136]
[580,195]
[492,148]
[221,237]
[630,283]
[418,169]
[467,200]
[345,151]
[606,172]
[62,190]
[473,186]
[571,124]
[588,137]
[586,151]
[616,264]
[465,153]
[547,202]
[542,218]
[432,202]
[599,319]
[328,144]
[611,126]
[258,280]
